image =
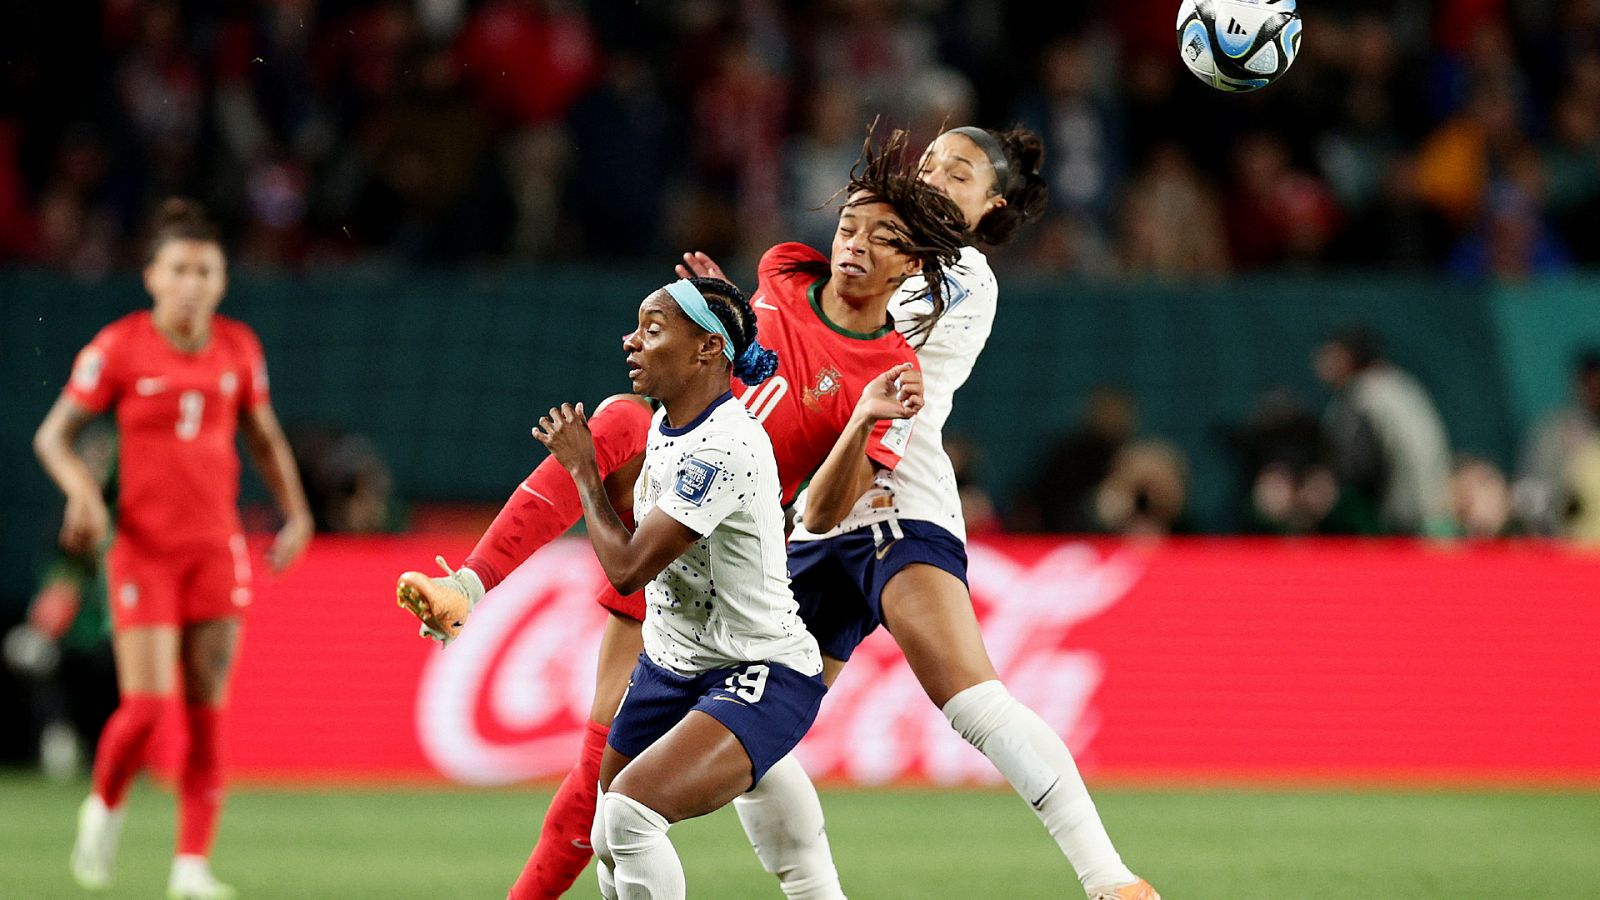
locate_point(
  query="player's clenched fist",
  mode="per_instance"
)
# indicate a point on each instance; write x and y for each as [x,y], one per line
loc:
[895,394]
[565,433]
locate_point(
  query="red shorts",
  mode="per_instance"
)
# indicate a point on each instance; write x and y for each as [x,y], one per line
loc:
[177,586]
[631,606]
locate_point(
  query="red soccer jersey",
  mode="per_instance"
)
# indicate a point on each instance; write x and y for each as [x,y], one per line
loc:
[822,369]
[177,414]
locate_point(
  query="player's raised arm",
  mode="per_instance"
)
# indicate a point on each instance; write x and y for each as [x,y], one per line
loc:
[847,473]
[630,559]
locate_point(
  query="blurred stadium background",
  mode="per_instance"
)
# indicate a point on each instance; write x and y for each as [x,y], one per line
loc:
[1194,556]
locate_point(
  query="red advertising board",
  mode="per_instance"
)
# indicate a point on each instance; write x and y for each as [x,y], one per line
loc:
[1188,659]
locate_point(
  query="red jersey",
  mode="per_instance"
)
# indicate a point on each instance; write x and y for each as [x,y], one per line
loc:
[822,369]
[177,415]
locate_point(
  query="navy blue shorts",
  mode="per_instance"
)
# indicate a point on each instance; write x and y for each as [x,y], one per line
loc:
[768,707]
[839,581]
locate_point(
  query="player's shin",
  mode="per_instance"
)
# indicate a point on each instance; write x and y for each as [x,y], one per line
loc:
[123,744]
[564,839]
[782,816]
[1036,762]
[200,786]
[646,866]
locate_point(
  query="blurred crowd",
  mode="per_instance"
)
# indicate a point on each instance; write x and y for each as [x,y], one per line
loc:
[1375,461]
[1458,135]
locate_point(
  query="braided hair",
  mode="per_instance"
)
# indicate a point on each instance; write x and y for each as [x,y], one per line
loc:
[752,363]
[931,230]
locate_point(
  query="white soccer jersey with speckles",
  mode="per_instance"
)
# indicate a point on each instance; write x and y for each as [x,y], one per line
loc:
[726,600]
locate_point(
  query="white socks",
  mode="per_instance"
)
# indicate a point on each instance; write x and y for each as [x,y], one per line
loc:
[783,819]
[1037,763]
[602,851]
[643,864]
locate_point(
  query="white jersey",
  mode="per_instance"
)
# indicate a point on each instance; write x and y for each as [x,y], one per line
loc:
[726,600]
[923,485]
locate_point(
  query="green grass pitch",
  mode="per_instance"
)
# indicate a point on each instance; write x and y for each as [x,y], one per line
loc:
[1194,844]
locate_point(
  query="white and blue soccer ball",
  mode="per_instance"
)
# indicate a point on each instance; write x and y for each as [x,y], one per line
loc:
[1238,45]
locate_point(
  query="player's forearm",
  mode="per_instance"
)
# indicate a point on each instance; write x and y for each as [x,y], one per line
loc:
[612,541]
[841,480]
[52,444]
[275,461]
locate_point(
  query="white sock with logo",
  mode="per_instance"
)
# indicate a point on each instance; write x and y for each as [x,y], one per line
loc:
[644,864]
[602,852]
[1037,763]
[782,816]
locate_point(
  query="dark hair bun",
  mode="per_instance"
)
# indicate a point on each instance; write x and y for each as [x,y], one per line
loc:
[755,365]
[181,219]
[1025,201]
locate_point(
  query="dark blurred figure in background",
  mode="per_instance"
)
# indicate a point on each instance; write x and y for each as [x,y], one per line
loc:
[1558,491]
[977,506]
[1062,497]
[347,482]
[1386,442]
[1480,500]
[1288,488]
[1146,492]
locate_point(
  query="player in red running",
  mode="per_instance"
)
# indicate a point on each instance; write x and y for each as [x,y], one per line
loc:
[827,317]
[181,381]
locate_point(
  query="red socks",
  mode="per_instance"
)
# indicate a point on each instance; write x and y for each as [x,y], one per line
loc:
[200,788]
[122,745]
[563,850]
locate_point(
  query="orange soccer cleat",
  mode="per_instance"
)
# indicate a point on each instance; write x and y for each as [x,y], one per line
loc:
[1138,890]
[441,604]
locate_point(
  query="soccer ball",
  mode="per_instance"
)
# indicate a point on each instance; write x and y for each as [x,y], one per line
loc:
[1238,45]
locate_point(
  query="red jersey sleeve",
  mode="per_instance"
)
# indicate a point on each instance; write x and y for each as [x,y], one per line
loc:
[98,374]
[546,503]
[887,443]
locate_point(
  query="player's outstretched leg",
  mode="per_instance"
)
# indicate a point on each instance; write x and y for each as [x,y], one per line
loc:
[930,614]
[565,838]
[782,816]
[565,842]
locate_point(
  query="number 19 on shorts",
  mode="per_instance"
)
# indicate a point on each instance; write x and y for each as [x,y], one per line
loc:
[748,684]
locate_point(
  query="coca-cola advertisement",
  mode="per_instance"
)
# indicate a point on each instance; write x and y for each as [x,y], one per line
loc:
[1188,659]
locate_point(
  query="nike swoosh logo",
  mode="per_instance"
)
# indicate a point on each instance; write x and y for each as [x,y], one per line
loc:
[885,548]
[148,386]
[763,304]
[729,700]
[582,845]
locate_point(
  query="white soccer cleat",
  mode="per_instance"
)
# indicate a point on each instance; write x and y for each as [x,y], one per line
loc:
[94,854]
[442,604]
[1138,890]
[191,879]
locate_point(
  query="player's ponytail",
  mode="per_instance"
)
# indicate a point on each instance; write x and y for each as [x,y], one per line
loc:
[752,363]
[181,219]
[1024,187]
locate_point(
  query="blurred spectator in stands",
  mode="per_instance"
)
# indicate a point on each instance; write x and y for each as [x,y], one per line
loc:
[1386,441]
[527,60]
[161,96]
[1171,220]
[1062,496]
[436,192]
[817,158]
[1480,499]
[738,118]
[1558,453]
[1572,164]
[878,47]
[977,506]
[1276,214]
[1289,488]
[1455,162]
[347,482]
[623,133]
[1398,229]
[1146,492]
[1512,241]
[1076,113]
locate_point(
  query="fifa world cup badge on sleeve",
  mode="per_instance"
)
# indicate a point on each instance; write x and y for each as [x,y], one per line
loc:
[694,480]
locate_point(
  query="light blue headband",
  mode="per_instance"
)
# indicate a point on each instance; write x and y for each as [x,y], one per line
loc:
[693,303]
